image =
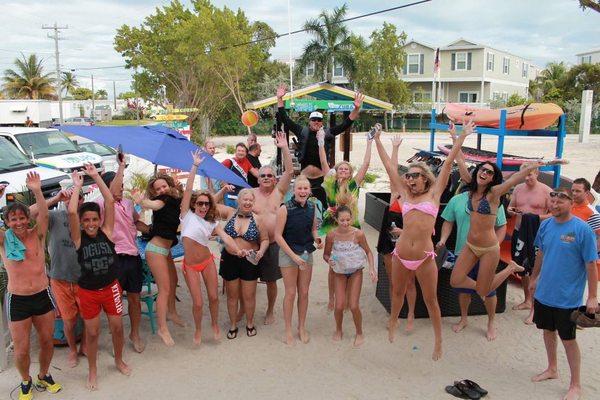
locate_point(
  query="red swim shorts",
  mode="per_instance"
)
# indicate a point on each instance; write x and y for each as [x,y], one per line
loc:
[91,302]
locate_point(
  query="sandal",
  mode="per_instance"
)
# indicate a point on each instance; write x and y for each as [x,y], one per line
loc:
[251,331]
[463,391]
[474,386]
[454,391]
[232,333]
[585,320]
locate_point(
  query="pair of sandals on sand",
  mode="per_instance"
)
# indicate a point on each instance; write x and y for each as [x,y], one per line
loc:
[585,320]
[466,389]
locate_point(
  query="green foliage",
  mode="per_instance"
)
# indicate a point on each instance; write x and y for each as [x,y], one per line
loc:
[573,110]
[138,182]
[28,80]
[101,94]
[126,95]
[234,126]
[230,149]
[68,82]
[81,93]
[515,100]
[127,114]
[582,77]
[370,177]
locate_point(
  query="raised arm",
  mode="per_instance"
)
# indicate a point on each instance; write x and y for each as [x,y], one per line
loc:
[117,183]
[520,176]
[288,167]
[189,185]
[442,179]
[292,126]
[360,175]
[322,154]
[226,188]
[109,201]
[74,228]
[51,202]
[465,176]
[358,100]
[34,183]
[395,179]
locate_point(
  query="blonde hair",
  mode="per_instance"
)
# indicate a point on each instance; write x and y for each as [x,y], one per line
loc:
[343,185]
[301,178]
[425,171]
[246,191]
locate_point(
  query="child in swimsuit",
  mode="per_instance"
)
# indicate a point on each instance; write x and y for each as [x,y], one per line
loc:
[347,253]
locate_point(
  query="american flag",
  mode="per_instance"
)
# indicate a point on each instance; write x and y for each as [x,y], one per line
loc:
[436,62]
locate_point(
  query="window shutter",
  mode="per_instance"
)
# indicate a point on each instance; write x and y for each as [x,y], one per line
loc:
[452,64]
[469,61]
[405,67]
[421,63]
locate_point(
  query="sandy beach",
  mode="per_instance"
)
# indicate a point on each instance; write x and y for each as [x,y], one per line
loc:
[262,367]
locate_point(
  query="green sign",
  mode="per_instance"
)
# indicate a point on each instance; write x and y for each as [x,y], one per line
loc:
[305,105]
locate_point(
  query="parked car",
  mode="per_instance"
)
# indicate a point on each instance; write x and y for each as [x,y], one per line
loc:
[79,121]
[108,154]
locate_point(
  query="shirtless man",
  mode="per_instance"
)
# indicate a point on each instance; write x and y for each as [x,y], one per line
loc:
[308,150]
[269,196]
[29,300]
[529,197]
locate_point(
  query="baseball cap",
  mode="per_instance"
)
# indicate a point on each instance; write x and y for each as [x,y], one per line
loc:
[315,114]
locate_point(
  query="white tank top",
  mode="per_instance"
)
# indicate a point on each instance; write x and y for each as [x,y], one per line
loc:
[196,228]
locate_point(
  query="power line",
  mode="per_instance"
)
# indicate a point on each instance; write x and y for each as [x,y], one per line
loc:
[95,68]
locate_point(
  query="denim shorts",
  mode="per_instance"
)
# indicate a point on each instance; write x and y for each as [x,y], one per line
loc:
[286,261]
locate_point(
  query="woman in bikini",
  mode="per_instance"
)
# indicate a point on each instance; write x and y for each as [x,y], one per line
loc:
[420,194]
[239,263]
[486,188]
[198,224]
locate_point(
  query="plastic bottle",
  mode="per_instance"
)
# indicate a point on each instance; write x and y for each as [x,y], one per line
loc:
[393,236]
[304,256]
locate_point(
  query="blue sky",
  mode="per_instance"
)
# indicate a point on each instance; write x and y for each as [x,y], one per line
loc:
[540,30]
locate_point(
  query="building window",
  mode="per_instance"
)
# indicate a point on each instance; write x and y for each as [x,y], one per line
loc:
[506,65]
[586,59]
[490,61]
[310,69]
[467,97]
[525,72]
[414,63]
[495,95]
[505,96]
[338,70]
[422,97]
[461,61]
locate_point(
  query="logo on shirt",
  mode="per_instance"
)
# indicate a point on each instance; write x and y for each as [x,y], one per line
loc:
[568,237]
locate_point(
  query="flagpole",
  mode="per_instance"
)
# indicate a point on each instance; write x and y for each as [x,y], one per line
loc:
[290,54]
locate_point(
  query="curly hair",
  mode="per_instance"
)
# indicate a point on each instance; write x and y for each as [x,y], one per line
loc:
[175,188]
[211,214]
[13,208]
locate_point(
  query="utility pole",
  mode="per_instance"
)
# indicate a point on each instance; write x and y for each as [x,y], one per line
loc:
[115,95]
[56,38]
[93,98]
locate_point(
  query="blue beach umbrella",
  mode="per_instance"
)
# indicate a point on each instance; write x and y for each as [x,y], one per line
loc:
[157,144]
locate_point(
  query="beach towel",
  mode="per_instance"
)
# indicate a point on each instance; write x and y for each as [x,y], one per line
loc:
[14,248]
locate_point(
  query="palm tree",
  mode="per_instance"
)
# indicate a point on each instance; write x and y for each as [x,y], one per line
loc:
[28,80]
[68,82]
[330,44]
[552,76]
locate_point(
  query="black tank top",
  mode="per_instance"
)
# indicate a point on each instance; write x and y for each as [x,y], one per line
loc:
[96,256]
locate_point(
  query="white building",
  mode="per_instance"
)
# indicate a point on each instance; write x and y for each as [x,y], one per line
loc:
[589,57]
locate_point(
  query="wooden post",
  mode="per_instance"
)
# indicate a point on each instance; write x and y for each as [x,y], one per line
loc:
[331,155]
[346,139]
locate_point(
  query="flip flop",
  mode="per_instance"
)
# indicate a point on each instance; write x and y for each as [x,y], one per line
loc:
[474,386]
[232,333]
[463,389]
[585,320]
[251,331]
[454,391]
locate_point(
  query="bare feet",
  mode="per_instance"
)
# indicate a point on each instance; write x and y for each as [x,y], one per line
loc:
[269,319]
[574,393]
[303,335]
[92,382]
[138,343]
[547,374]
[166,337]
[123,368]
[462,324]
[337,336]
[528,320]
[410,323]
[176,319]
[515,267]
[288,338]
[216,332]
[359,340]
[72,360]
[437,351]
[491,331]
[526,305]
[392,326]
[197,337]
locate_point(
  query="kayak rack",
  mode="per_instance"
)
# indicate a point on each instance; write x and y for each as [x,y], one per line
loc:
[502,133]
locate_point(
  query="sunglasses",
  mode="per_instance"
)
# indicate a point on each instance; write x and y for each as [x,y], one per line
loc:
[561,195]
[203,203]
[486,171]
[265,175]
[316,119]
[412,175]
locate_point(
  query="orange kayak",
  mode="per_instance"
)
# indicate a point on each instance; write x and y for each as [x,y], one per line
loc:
[523,117]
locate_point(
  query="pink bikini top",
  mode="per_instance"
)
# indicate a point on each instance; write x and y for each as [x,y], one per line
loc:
[426,207]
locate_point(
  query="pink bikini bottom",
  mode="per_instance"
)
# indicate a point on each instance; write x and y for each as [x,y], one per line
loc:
[413,264]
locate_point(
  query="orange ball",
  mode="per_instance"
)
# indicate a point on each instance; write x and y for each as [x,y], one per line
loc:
[250,118]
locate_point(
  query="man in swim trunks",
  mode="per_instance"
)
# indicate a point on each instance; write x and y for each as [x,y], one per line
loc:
[456,212]
[29,301]
[566,259]
[529,197]
[269,196]
[308,149]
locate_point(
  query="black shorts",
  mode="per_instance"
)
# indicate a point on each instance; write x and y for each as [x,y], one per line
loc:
[554,319]
[21,307]
[129,271]
[234,267]
[513,249]
[268,266]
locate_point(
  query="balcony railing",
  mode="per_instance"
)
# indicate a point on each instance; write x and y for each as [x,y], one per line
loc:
[425,107]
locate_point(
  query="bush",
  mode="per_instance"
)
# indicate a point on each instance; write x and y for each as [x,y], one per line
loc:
[127,113]
[515,100]
[234,127]
[370,177]
[230,149]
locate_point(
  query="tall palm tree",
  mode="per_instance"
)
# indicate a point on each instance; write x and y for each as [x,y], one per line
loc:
[553,75]
[330,44]
[68,82]
[28,80]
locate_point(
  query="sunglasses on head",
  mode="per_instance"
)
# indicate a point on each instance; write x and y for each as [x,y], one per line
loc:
[561,195]
[412,175]
[487,171]
[265,175]
[317,119]
[203,203]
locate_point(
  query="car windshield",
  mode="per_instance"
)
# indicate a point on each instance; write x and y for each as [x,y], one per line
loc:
[11,158]
[46,143]
[97,148]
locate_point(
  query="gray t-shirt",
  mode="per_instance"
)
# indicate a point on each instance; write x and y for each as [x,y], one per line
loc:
[63,255]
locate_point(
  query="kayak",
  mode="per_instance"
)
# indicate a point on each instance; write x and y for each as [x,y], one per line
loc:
[478,156]
[524,117]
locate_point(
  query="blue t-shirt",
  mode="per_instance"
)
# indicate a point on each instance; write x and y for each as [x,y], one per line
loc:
[567,248]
